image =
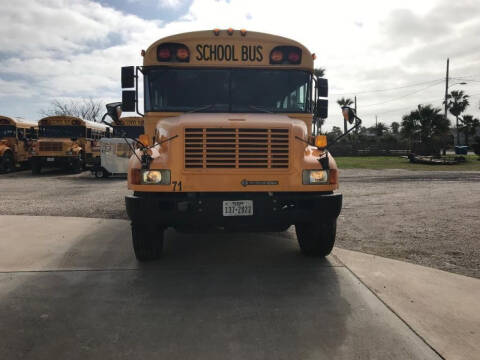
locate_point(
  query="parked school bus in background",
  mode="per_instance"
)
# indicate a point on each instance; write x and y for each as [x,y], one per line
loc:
[228,141]
[67,142]
[16,139]
[128,126]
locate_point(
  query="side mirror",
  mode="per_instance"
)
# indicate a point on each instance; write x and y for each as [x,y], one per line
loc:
[114,110]
[322,87]
[348,114]
[128,100]
[321,109]
[128,77]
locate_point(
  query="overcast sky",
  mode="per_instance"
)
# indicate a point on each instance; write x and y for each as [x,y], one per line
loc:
[391,54]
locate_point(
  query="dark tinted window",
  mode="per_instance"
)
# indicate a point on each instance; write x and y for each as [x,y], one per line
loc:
[128,131]
[227,90]
[7,131]
[62,131]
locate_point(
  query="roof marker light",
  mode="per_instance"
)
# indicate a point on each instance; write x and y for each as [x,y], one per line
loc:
[142,52]
[216,31]
[314,56]
[230,31]
[243,32]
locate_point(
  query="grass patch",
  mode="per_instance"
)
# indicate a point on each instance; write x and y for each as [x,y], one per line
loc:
[396,162]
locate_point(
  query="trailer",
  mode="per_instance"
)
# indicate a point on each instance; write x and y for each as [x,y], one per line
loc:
[114,156]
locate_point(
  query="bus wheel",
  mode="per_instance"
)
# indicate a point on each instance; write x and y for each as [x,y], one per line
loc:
[36,167]
[77,165]
[8,162]
[317,239]
[147,242]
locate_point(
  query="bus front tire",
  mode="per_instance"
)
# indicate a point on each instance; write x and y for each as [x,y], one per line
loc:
[317,239]
[8,162]
[147,242]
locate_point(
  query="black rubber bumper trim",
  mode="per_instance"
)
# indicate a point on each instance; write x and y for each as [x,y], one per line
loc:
[179,209]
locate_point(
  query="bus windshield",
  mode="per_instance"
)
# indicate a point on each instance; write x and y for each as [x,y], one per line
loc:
[227,90]
[60,131]
[128,131]
[7,131]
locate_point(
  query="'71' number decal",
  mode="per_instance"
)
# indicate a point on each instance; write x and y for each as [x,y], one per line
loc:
[177,184]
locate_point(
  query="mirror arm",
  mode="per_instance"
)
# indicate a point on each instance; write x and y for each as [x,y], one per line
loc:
[358,122]
[137,69]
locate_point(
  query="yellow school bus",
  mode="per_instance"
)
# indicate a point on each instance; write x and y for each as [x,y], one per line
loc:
[67,142]
[229,140]
[16,139]
[128,126]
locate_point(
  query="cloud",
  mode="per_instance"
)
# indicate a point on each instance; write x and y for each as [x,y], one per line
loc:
[169,3]
[75,48]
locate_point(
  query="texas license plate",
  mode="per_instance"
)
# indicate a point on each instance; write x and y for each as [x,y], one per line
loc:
[50,159]
[238,208]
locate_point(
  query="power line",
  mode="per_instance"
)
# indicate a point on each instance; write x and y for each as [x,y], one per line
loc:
[403,96]
[388,89]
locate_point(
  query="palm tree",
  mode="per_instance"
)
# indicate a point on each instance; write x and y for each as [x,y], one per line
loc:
[380,129]
[470,126]
[319,72]
[395,127]
[457,103]
[428,123]
[344,102]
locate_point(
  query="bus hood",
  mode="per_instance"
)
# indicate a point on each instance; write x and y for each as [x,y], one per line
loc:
[172,126]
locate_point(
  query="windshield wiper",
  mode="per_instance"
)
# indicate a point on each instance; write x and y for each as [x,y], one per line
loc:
[260,109]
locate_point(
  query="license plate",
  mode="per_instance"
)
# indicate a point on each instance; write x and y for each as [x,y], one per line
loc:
[50,159]
[238,208]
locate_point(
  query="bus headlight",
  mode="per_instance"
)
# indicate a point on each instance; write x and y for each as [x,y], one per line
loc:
[312,177]
[155,177]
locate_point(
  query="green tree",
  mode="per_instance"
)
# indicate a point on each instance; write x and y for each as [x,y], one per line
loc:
[319,72]
[381,129]
[395,127]
[469,126]
[457,103]
[344,102]
[428,123]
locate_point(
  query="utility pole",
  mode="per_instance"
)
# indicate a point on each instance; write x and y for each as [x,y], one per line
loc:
[446,97]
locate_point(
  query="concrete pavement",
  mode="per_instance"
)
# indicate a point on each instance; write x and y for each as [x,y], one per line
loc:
[443,308]
[70,288]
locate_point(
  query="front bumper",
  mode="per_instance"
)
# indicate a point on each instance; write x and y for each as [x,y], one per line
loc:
[270,210]
[56,161]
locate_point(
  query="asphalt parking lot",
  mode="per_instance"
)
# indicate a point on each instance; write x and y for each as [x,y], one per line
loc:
[426,217]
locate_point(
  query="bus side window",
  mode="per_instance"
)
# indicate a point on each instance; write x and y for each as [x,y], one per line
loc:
[89,133]
[20,134]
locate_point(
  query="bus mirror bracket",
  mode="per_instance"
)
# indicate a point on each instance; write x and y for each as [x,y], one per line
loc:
[130,80]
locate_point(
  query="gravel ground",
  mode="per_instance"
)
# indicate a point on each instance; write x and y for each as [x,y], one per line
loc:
[425,217]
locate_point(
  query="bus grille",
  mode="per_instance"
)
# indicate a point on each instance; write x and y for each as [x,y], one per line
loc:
[236,148]
[50,146]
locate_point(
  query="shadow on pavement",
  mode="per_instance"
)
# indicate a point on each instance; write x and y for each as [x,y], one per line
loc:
[220,296]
